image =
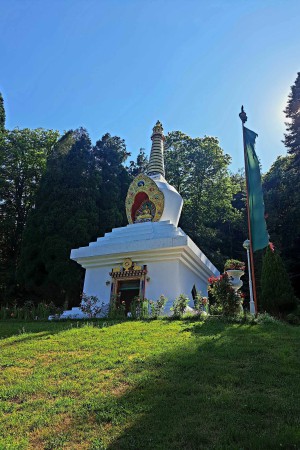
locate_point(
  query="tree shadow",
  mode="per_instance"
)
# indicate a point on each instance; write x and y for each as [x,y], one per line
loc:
[203,397]
[25,331]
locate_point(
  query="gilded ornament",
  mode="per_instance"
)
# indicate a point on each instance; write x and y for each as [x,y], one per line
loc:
[148,206]
[127,263]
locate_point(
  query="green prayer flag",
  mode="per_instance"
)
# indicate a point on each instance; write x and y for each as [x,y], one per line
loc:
[259,234]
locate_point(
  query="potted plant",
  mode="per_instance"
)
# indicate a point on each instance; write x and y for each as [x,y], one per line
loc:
[234,264]
[235,269]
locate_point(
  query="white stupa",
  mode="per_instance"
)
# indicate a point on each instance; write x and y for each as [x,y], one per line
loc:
[150,256]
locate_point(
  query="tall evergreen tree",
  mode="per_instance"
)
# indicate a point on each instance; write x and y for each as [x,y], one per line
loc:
[277,296]
[65,217]
[292,111]
[110,153]
[2,114]
[282,202]
[23,155]
[81,197]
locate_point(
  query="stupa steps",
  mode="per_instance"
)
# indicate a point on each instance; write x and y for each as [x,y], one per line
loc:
[140,231]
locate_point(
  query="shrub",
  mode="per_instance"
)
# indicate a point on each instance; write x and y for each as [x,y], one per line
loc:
[277,296]
[234,264]
[139,308]
[293,319]
[116,309]
[157,308]
[29,311]
[179,305]
[200,303]
[90,305]
[266,318]
[225,299]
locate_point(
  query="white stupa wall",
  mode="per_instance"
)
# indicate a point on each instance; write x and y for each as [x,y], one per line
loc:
[170,278]
[173,200]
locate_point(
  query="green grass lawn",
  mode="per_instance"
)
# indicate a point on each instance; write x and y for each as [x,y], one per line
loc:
[149,385]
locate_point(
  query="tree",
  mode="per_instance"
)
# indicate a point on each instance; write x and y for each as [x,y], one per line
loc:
[277,296]
[282,203]
[65,217]
[110,153]
[292,111]
[2,114]
[81,196]
[138,166]
[23,155]
[198,168]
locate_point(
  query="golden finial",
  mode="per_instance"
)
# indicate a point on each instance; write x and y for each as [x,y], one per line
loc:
[158,128]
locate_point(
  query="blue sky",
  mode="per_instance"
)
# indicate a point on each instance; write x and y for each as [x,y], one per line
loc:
[119,65]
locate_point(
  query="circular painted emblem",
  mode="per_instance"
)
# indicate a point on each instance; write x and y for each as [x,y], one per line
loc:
[141,183]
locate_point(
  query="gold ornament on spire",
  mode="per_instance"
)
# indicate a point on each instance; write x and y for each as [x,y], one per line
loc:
[158,128]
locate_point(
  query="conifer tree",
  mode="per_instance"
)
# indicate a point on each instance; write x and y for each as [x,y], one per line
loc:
[2,114]
[292,111]
[277,296]
[140,165]
[110,153]
[65,217]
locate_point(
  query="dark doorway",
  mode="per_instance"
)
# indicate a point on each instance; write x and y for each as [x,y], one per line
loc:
[127,290]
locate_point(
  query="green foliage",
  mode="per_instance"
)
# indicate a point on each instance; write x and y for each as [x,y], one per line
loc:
[179,305]
[2,114]
[139,308]
[109,154]
[292,112]
[91,305]
[293,319]
[277,295]
[23,155]
[138,166]
[157,307]
[201,303]
[234,264]
[282,202]
[198,169]
[28,311]
[224,298]
[65,217]
[116,309]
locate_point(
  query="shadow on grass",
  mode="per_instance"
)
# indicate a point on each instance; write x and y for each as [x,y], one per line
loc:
[23,331]
[223,392]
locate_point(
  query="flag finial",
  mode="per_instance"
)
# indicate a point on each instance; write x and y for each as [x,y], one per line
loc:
[243,115]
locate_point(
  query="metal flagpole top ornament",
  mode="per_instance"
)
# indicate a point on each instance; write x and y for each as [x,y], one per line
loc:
[243,115]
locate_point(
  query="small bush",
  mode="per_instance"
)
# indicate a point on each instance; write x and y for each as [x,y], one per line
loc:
[90,305]
[225,299]
[234,264]
[157,308]
[293,319]
[179,305]
[266,318]
[200,304]
[116,309]
[139,308]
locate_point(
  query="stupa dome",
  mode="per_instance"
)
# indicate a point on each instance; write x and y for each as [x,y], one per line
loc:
[150,197]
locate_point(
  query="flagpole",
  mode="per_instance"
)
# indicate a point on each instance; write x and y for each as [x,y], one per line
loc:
[243,117]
